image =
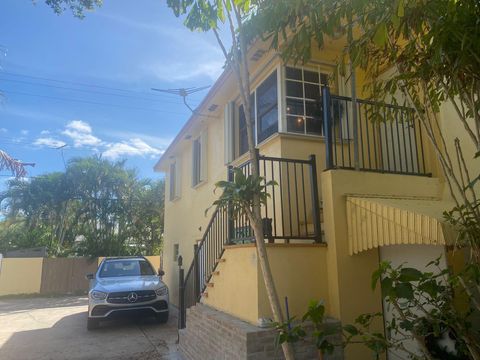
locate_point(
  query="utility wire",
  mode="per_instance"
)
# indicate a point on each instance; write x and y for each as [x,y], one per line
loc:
[92,102]
[80,84]
[93,91]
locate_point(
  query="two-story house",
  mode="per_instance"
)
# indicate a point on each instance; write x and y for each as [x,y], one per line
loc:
[351,192]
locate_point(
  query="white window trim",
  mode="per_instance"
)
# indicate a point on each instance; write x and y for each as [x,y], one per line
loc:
[319,68]
[178,183]
[203,140]
[237,103]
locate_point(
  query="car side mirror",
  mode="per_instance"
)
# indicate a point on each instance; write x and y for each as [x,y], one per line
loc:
[161,272]
[89,276]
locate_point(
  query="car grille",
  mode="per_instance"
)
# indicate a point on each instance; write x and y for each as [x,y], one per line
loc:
[101,310]
[131,297]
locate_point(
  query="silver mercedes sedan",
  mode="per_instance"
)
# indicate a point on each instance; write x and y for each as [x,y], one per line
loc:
[124,285]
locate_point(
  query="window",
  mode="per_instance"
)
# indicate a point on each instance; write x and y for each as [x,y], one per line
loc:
[242,126]
[303,100]
[174,180]
[199,159]
[264,114]
[267,108]
[175,252]
[118,268]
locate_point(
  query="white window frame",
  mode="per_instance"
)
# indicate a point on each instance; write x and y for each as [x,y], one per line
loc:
[319,69]
[236,113]
[174,179]
[199,159]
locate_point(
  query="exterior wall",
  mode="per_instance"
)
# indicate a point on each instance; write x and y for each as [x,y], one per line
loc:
[50,275]
[20,276]
[235,289]
[239,290]
[299,272]
[212,334]
[349,277]
[452,128]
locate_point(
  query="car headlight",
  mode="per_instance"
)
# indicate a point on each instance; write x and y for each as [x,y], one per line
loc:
[161,291]
[98,295]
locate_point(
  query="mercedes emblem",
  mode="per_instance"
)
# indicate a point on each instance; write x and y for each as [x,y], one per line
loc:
[132,297]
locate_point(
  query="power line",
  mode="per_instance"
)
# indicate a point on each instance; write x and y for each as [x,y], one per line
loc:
[92,102]
[91,91]
[80,84]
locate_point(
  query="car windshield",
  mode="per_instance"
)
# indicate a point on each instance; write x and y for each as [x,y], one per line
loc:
[126,268]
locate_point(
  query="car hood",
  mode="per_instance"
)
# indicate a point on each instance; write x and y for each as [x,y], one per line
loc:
[128,283]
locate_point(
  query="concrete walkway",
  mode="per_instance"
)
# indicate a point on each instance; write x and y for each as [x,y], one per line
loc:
[55,328]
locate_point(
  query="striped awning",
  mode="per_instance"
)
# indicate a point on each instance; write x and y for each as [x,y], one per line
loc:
[380,221]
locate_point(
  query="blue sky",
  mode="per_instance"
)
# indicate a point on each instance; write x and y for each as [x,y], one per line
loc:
[86,83]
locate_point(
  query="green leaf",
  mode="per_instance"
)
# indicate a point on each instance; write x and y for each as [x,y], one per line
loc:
[401,9]
[351,329]
[410,274]
[380,37]
[404,291]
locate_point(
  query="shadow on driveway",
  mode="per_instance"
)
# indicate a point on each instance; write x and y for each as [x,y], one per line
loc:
[49,332]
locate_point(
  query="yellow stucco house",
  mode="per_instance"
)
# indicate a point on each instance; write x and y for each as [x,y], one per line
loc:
[333,216]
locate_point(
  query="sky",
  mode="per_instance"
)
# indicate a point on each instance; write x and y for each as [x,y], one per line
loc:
[86,84]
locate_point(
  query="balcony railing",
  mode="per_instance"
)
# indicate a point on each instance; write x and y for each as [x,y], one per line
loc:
[376,137]
[292,210]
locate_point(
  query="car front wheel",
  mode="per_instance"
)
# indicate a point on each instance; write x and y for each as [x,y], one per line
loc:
[162,318]
[92,324]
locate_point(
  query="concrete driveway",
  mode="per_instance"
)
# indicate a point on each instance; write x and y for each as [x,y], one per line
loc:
[55,328]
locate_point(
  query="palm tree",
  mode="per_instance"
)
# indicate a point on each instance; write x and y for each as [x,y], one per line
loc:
[15,166]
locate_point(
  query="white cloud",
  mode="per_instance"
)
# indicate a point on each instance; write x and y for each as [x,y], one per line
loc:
[133,147]
[49,142]
[3,130]
[24,132]
[81,134]
[44,132]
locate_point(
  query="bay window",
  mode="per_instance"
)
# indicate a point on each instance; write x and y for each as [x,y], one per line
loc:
[303,100]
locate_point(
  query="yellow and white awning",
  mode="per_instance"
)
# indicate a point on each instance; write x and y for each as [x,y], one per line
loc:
[380,221]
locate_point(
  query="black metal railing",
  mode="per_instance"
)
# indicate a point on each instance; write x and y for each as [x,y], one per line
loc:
[206,256]
[292,212]
[292,209]
[370,136]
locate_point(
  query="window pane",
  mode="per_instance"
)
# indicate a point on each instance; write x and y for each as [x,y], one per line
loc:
[310,76]
[267,108]
[267,94]
[295,88]
[323,79]
[268,124]
[172,181]
[294,107]
[197,147]
[295,124]
[312,91]
[313,108]
[314,126]
[293,73]
[242,132]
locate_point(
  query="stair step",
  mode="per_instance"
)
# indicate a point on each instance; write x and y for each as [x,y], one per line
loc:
[210,284]
[216,273]
[205,294]
[220,260]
